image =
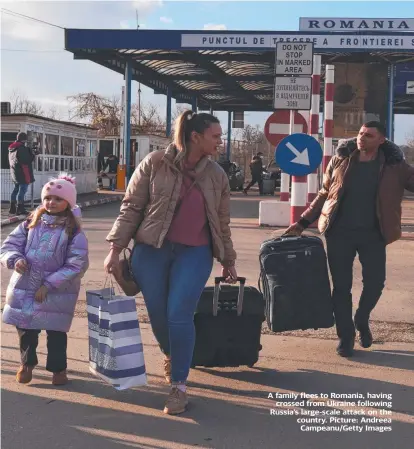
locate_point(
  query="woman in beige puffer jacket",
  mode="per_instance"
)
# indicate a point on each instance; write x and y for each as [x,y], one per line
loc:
[177,209]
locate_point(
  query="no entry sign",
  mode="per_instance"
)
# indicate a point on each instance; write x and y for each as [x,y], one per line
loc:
[277,126]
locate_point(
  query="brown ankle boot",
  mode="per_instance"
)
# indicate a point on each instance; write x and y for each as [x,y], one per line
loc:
[60,378]
[24,375]
[167,369]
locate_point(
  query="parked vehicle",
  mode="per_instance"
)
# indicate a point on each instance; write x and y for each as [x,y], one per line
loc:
[236,177]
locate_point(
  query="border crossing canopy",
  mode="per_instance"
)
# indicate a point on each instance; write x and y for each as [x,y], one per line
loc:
[231,70]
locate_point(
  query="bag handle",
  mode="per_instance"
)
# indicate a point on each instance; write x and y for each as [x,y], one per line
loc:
[217,281]
[111,285]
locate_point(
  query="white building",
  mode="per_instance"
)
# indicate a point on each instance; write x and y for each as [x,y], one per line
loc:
[141,145]
[62,146]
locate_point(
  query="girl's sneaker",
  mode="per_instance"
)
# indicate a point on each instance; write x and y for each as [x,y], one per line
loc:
[24,374]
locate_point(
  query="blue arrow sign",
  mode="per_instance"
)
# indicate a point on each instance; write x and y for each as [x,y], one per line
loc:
[298,154]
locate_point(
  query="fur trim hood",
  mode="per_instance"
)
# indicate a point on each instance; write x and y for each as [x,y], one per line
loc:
[392,152]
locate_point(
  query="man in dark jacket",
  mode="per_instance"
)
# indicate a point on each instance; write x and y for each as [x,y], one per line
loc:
[256,170]
[111,163]
[21,159]
[359,210]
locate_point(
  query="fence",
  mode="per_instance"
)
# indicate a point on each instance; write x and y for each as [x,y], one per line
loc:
[241,153]
[7,187]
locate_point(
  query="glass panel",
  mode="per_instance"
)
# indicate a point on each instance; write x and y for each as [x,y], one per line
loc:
[66,144]
[93,148]
[80,147]
[35,141]
[51,144]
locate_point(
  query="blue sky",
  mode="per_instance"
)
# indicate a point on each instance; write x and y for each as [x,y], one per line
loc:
[33,60]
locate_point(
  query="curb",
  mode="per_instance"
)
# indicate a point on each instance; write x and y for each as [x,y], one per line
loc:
[85,204]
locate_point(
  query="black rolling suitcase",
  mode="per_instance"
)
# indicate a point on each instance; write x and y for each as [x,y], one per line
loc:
[295,282]
[228,324]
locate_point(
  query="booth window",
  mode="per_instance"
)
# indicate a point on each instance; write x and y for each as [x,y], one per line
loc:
[93,148]
[80,147]
[35,141]
[51,144]
[66,146]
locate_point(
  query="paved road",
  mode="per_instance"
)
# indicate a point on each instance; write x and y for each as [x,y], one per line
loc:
[230,407]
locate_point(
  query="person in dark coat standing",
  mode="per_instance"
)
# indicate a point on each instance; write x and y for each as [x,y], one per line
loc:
[21,159]
[256,170]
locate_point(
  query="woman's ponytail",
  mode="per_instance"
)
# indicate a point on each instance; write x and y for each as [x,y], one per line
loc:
[185,124]
[180,130]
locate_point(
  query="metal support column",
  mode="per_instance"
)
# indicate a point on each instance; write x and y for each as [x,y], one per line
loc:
[229,135]
[168,127]
[194,105]
[127,123]
[390,108]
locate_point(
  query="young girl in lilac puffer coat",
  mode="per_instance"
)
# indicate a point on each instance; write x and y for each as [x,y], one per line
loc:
[49,255]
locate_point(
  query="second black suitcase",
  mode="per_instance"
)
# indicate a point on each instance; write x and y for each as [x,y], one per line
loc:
[228,324]
[296,287]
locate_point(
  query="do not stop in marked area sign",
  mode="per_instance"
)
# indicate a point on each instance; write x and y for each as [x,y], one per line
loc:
[294,58]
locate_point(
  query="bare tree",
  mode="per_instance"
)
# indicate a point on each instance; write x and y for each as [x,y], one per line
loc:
[101,112]
[20,104]
[179,109]
[151,121]
[53,113]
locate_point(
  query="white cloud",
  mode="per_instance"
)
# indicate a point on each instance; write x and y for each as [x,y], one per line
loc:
[21,29]
[145,7]
[166,19]
[50,101]
[213,26]
[130,25]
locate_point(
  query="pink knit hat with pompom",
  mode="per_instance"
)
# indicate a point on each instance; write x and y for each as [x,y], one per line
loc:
[63,186]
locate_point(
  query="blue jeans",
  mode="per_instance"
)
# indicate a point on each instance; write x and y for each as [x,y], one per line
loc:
[172,279]
[21,190]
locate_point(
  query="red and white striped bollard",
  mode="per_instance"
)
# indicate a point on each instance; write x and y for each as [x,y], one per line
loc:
[314,122]
[328,116]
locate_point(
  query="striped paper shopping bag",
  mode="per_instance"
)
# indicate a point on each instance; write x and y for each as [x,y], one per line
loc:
[115,347]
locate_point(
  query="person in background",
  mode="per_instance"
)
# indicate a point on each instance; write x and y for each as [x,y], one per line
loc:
[256,170]
[21,159]
[177,210]
[111,163]
[359,211]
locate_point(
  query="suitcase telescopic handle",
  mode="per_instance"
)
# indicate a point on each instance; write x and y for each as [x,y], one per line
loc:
[216,294]
[290,237]
[219,279]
